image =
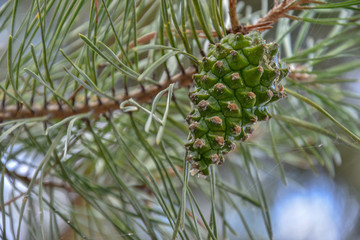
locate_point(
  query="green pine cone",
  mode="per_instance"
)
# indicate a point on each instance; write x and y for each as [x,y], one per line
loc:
[236,82]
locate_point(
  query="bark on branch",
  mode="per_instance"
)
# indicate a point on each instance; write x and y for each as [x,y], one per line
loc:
[96,107]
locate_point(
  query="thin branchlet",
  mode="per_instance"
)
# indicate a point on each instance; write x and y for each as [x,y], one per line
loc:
[52,110]
[280,10]
[235,25]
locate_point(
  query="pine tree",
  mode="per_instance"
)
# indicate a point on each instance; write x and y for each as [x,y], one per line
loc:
[94,100]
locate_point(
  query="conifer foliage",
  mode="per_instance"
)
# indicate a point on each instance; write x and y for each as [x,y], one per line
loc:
[108,106]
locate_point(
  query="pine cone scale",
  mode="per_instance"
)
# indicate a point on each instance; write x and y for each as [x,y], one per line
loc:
[237,80]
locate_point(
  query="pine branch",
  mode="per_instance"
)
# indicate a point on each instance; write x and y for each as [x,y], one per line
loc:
[119,178]
[97,107]
[61,111]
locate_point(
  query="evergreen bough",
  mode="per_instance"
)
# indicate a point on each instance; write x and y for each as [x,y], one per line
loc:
[92,147]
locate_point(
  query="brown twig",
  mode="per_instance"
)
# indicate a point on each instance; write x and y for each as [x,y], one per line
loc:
[27,180]
[297,74]
[53,112]
[280,10]
[12,200]
[235,25]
